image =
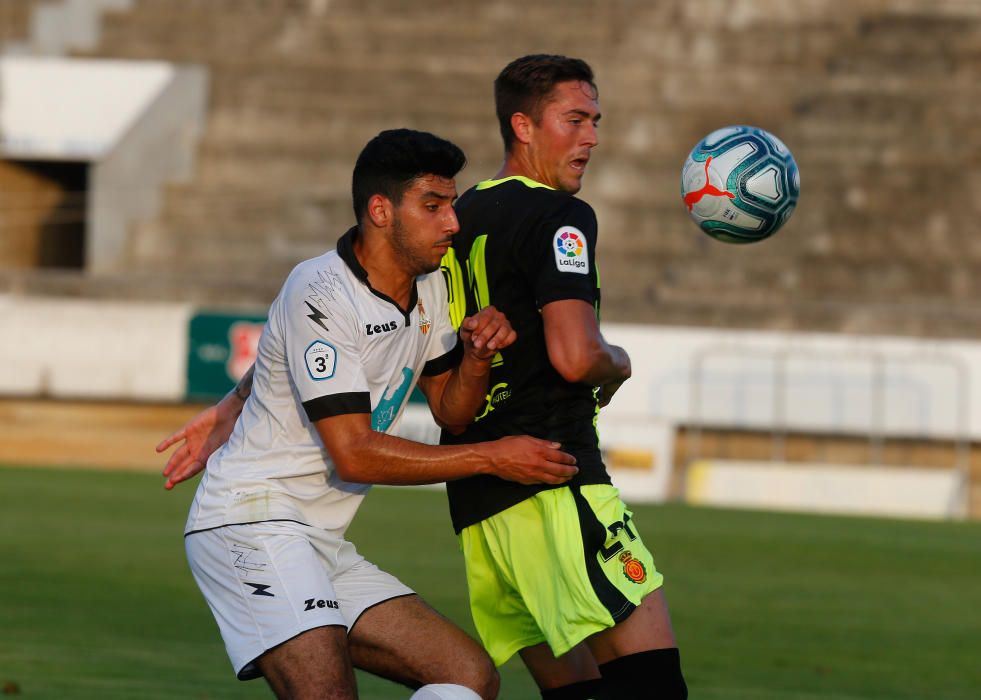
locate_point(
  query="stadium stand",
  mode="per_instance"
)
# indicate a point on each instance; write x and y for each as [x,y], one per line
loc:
[877,99]
[15,19]
[875,247]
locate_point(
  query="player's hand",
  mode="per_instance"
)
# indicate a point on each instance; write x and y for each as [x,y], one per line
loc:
[201,436]
[605,393]
[528,460]
[486,333]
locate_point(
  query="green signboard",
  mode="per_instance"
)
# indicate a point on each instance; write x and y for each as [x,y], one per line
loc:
[221,348]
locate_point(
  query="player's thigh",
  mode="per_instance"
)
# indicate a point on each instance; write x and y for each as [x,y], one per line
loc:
[314,664]
[265,584]
[648,627]
[549,671]
[407,641]
[575,559]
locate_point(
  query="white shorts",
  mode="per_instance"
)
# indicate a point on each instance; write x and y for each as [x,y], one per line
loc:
[268,582]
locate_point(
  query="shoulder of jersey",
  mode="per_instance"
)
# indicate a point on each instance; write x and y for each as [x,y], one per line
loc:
[544,199]
[327,261]
[565,209]
[555,200]
[320,269]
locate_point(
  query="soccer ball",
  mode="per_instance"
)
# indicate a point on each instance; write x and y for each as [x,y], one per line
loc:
[740,184]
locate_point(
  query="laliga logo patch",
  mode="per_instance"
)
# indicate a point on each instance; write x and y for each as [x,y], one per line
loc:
[633,569]
[569,245]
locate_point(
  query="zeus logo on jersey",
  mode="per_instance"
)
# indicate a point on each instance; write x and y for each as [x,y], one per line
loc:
[571,250]
[376,328]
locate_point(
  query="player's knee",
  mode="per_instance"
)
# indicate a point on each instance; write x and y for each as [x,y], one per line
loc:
[656,673]
[485,678]
[474,669]
[493,683]
[466,664]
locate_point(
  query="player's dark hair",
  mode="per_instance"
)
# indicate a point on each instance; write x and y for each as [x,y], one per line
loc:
[526,82]
[392,160]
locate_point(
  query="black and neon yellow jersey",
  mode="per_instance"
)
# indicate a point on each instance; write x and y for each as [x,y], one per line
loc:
[522,245]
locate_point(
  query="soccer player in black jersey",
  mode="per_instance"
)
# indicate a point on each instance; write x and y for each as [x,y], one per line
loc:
[556,573]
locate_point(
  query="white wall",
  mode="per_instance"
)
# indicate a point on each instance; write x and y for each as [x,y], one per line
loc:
[67,348]
[813,382]
[73,109]
[827,488]
[850,384]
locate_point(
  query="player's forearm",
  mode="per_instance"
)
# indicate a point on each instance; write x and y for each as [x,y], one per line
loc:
[576,347]
[594,363]
[378,458]
[465,392]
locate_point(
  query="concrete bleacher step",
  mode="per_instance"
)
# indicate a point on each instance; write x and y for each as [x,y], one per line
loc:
[15,19]
[248,128]
[261,166]
[869,97]
[234,238]
[217,244]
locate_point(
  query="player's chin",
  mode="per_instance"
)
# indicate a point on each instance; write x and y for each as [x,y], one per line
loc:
[439,252]
[431,266]
[573,183]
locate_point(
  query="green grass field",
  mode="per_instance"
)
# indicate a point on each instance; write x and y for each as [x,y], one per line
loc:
[96,600]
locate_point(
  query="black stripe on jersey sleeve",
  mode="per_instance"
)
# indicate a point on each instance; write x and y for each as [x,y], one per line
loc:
[557,293]
[444,363]
[337,405]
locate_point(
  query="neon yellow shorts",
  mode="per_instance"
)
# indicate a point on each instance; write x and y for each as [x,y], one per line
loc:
[556,568]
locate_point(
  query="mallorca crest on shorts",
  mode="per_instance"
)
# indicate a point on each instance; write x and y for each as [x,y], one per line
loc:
[633,569]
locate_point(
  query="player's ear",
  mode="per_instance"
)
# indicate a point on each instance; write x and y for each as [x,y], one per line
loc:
[379,210]
[521,125]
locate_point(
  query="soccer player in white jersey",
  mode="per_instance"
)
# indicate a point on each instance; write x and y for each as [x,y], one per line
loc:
[349,336]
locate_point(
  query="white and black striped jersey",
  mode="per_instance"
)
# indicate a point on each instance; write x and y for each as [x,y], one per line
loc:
[331,345]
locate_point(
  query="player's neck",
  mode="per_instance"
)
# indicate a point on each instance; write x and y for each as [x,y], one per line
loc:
[518,164]
[386,273]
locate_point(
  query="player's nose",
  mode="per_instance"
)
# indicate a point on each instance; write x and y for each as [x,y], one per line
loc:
[591,135]
[452,224]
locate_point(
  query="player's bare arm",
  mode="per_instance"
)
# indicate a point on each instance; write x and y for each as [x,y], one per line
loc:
[578,351]
[204,434]
[456,395]
[362,455]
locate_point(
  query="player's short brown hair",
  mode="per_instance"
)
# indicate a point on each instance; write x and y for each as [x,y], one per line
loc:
[526,82]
